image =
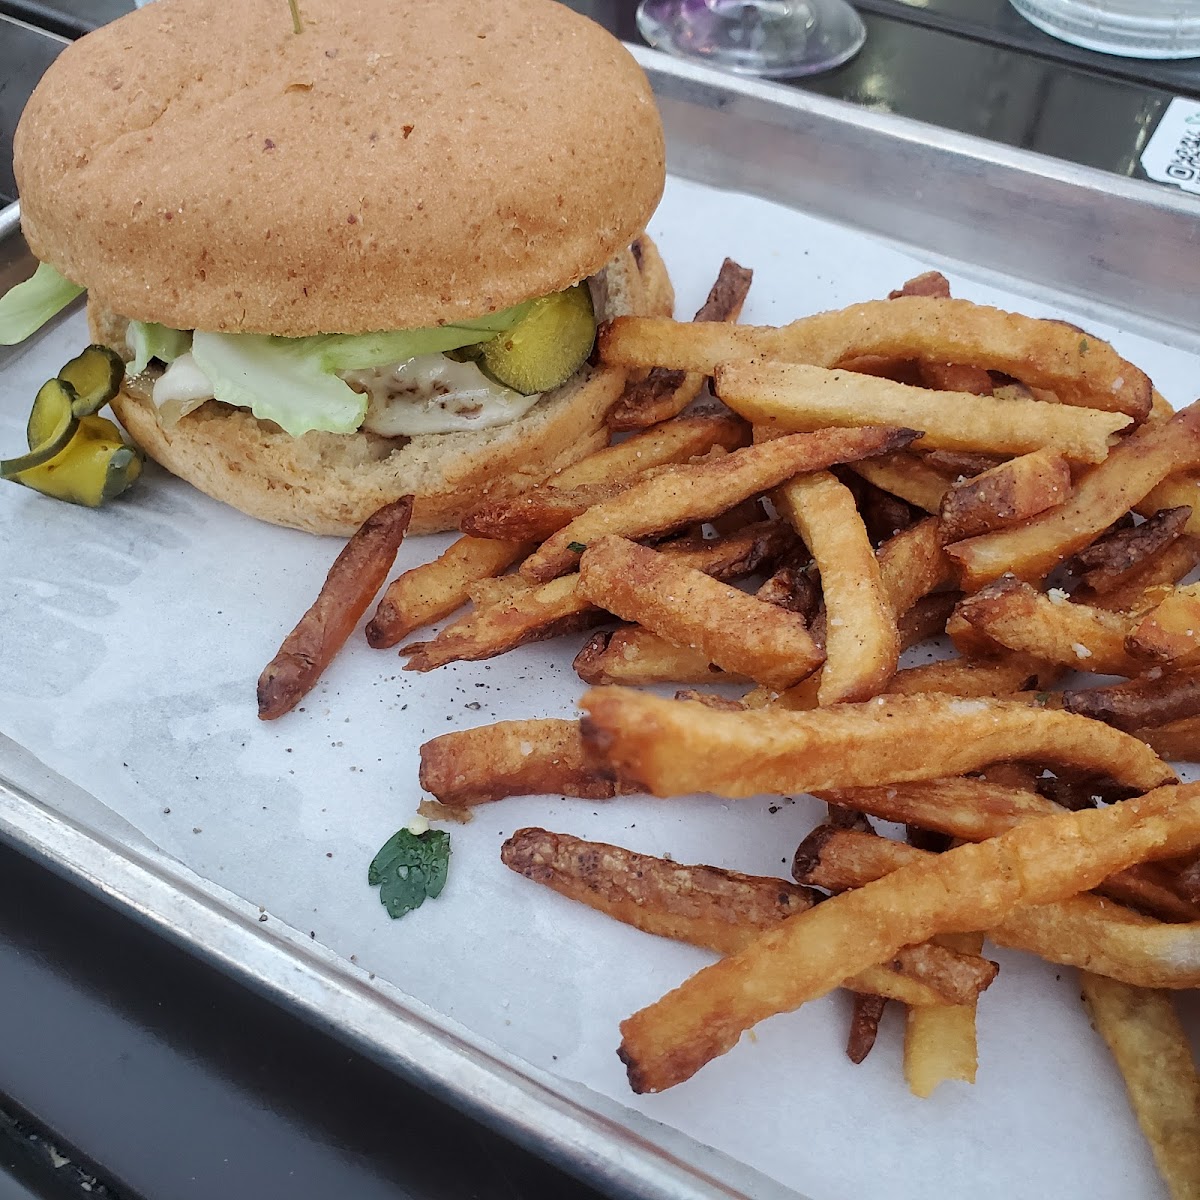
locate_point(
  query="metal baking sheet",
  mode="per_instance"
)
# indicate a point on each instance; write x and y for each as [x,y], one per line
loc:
[184,813]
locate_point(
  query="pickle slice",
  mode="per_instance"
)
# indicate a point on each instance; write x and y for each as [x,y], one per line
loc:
[52,425]
[547,346]
[96,376]
[93,467]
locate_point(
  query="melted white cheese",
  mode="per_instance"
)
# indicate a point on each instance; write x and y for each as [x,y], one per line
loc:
[428,394]
[435,394]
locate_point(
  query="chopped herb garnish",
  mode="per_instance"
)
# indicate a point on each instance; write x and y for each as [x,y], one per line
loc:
[1083,345]
[577,547]
[295,7]
[1043,698]
[410,867]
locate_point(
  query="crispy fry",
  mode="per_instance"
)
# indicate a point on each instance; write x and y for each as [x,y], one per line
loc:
[995,677]
[1143,588]
[862,643]
[972,809]
[953,377]
[968,888]
[1044,354]
[939,1041]
[1112,560]
[358,572]
[1156,698]
[961,463]
[793,586]
[516,615]
[511,758]
[908,476]
[864,1025]
[673,748]
[1178,741]
[529,615]
[735,631]
[1086,931]
[720,910]
[1013,614]
[928,283]
[1005,495]
[633,655]
[1170,632]
[685,494]
[925,619]
[435,589]
[664,393]
[1178,490]
[1155,1058]
[1101,497]
[798,398]
[536,514]
[913,564]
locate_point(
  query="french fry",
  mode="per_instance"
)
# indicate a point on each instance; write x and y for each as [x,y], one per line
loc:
[1170,632]
[1145,587]
[862,643]
[528,615]
[1078,369]
[535,514]
[954,377]
[1157,698]
[511,758]
[434,590]
[517,615]
[721,910]
[671,748]
[664,393]
[908,476]
[1112,560]
[1178,741]
[972,810]
[925,619]
[682,495]
[735,631]
[799,398]
[971,887]
[1086,931]
[357,574]
[633,655]
[1101,497]
[1005,495]
[939,1041]
[793,586]
[864,1025]
[913,564]
[1154,1056]
[962,463]
[1013,614]
[1178,490]
[995,677]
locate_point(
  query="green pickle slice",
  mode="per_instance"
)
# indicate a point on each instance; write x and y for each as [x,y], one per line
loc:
[95,466]
[96,376]
[547,346]
[52,425]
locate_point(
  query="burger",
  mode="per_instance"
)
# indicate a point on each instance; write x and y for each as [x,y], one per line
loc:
[354,257]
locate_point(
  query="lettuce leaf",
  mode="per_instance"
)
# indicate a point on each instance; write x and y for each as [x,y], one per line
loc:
[352,352]
[25,308]
[280,380]
[149,340]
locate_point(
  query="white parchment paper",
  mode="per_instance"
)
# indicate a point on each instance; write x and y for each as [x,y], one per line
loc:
[130,642]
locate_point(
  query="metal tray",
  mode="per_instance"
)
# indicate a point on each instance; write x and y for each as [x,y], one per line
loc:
[1117,247]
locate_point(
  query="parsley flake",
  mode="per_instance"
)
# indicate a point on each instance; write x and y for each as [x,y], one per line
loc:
[577,547]
[1083,345]
[410,867]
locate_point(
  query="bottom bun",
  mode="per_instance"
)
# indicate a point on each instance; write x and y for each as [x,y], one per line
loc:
[330,483]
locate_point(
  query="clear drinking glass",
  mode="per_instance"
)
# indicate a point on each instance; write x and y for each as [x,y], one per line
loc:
[1130,28]
[775,38]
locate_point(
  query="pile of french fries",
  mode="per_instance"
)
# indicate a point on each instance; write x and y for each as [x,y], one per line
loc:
[893,472]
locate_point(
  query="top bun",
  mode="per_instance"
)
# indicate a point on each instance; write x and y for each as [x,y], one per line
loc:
[398,164]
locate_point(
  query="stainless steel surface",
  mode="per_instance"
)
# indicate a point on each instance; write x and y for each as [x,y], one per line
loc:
[1116,243]
[25,53]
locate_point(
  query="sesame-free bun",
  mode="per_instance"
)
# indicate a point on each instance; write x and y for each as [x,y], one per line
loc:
[398,164]
[330,483]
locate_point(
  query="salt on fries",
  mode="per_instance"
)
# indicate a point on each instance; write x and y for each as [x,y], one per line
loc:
[893,471]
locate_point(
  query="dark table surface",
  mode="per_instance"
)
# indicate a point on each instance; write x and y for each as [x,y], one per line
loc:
[129,1069]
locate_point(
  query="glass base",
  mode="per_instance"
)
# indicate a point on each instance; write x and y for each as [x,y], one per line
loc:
[778,39]
[1129,28]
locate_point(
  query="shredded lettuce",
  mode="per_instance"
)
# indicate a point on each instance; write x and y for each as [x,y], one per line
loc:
[149,340]
[353,352]
[25,308]
[278,379]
